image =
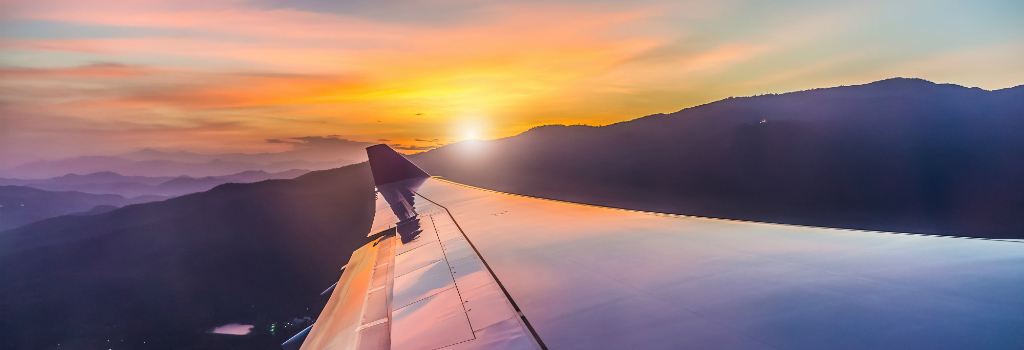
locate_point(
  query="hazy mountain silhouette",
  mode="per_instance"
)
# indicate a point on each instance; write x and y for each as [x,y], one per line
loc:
[184,185]
[99,209]
[21,205]
[129,186]
[165,273]
[901,155]
[103,177]
[308,148]
[309,152]
[156,168]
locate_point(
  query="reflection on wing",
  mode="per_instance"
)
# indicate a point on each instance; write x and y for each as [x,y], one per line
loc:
[468,268]
[598,278]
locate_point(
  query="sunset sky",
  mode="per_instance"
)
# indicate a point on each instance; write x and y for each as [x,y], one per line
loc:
[89,77]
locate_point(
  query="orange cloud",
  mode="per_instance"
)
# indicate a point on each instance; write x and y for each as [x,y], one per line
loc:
[228,74]
[96,70]
[362,77]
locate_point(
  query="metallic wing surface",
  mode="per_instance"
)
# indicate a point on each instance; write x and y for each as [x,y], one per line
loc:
[458,267]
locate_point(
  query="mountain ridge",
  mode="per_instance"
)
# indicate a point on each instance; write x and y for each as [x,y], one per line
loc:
[903,155]
[108,182]
[156,168]
[72,194]
[20,205]
[164,273]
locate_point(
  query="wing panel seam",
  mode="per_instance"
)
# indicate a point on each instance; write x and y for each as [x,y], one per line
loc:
[493,275]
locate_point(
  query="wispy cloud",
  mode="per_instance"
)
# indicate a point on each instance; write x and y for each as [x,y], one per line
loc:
[95,70]
[411,147]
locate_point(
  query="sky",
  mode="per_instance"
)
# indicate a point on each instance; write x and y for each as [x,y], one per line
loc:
[104,77]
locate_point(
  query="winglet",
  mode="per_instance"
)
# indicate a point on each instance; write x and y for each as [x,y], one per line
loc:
[389,166]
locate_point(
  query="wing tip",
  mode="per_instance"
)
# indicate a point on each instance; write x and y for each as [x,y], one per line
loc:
[390,166]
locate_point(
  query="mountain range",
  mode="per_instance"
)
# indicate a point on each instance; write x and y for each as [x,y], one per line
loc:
[904,155]
[26,201]
[108,182]
[309,148]
[157,167]
[308,152]
[161,275]
[21,205]
[901,155]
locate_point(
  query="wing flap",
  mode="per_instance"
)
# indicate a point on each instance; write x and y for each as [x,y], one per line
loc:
[353,309]
[432,323]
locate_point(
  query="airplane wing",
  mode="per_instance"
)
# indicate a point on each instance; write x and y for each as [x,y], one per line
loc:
[459,267]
